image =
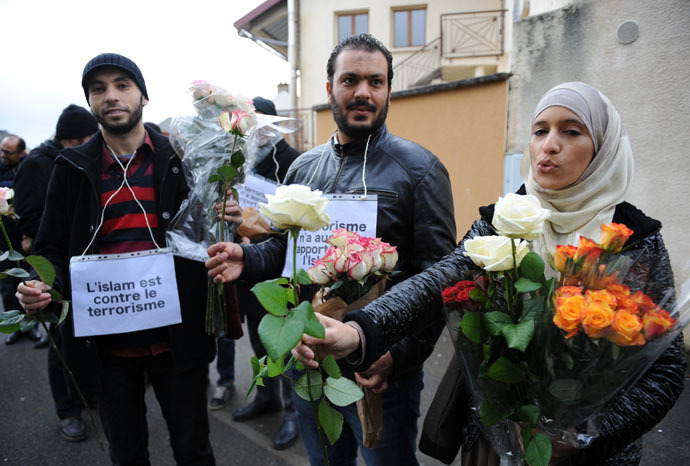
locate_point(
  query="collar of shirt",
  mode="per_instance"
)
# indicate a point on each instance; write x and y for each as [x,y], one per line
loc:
[107,160]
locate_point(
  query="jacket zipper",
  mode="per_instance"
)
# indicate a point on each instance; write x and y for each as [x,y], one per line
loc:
[337,176]
[95,196]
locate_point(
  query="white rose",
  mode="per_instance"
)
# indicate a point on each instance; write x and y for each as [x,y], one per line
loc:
[296,205]
[494,253]
[519,216]
[5,195]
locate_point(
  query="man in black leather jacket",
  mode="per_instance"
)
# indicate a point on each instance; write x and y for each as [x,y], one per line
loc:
[415,213]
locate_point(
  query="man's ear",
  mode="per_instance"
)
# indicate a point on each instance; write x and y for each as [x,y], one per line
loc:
[145,101]
[328,91]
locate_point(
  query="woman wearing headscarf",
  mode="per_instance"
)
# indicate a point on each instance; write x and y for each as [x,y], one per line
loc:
[579,166]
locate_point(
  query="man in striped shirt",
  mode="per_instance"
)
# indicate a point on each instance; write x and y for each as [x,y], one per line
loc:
[85,212]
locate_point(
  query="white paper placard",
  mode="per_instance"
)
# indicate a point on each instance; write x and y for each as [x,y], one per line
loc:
[347,211]
[254,190]
[120,293]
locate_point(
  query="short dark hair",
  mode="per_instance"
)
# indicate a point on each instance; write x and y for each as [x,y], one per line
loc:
[21,144]
[359,42]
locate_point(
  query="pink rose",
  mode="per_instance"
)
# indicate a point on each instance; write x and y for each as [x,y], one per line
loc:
[237,124]
[319,273]
[339,237]
[357,268]
[390,257]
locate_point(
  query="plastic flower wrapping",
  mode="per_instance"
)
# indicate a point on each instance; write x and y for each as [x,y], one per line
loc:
[221,141]
[545,355]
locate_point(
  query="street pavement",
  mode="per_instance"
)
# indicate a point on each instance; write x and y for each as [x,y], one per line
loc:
[29,429]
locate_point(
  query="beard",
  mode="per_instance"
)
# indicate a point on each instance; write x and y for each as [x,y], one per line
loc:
[125,126]
[357,131]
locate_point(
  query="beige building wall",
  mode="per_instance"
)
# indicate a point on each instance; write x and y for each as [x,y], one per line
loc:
[647,80]
[464,126]
[319,33]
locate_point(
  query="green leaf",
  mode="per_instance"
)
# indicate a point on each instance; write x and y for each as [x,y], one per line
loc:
[303,277]
[566,389]
[215,177]
[529,414]
[227,172]
[526,434]
[312,326]
[237,159]
[342,391]
[15,255]
[256,366]
[4,256]
[302,386]
[48,316]
[532,309]
[279,335]
[472,326]
[43,268]
[519,336]
[331,366]
[538,451]
[275,368]
[331,420]
[477,295]
[490,413]
[532,267]
[27,324]
[524,285]
[496,320]
[290,363]
[64,312]
[272,296]
[17,272]
[8,314]
[235,194]
[504,370]
[567,360]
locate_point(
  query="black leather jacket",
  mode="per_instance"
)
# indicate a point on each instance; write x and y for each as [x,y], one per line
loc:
[626,418]
[415,213]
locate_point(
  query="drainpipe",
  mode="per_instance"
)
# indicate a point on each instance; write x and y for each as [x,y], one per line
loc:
[292,52]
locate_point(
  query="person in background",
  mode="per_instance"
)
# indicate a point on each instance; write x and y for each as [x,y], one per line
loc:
[84,188]
[75,126]
[272,162]
[12,154]
[580,166]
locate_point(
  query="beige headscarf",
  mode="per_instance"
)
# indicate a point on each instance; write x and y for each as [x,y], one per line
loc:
[582,207]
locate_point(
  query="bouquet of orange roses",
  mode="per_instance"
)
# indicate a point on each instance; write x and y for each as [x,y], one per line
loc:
[548,353]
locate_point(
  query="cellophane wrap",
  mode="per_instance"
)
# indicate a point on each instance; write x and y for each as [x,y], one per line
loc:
[203,146]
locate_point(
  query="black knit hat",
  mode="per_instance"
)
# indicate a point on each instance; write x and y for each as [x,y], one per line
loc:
[75,122]
[112,60]
[264,106]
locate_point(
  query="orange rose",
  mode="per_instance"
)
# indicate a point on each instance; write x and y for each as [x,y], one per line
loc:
[587,254]
[601,296]
[563,253]
[597,319]
[567,291]
[569,312]
[613,236]
[656,322]
[626,329]
[643,302]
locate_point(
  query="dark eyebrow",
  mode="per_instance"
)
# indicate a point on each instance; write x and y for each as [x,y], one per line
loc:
[371,76]
[568,121]
[120,78]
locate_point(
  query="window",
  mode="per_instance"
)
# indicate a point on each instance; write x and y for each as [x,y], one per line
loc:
[409,27]
[349,25]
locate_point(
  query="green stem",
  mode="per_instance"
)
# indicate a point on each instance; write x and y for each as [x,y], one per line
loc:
[295,234]
[73,379]
[40,320]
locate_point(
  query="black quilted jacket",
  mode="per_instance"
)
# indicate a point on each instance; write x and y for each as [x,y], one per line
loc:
[417,301]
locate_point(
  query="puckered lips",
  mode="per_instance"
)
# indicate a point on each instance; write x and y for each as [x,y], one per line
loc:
[546,166]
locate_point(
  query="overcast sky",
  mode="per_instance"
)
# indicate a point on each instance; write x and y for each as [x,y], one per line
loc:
[47,43]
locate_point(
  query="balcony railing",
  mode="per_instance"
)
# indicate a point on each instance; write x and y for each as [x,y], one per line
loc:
[472,34]
[419,68]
